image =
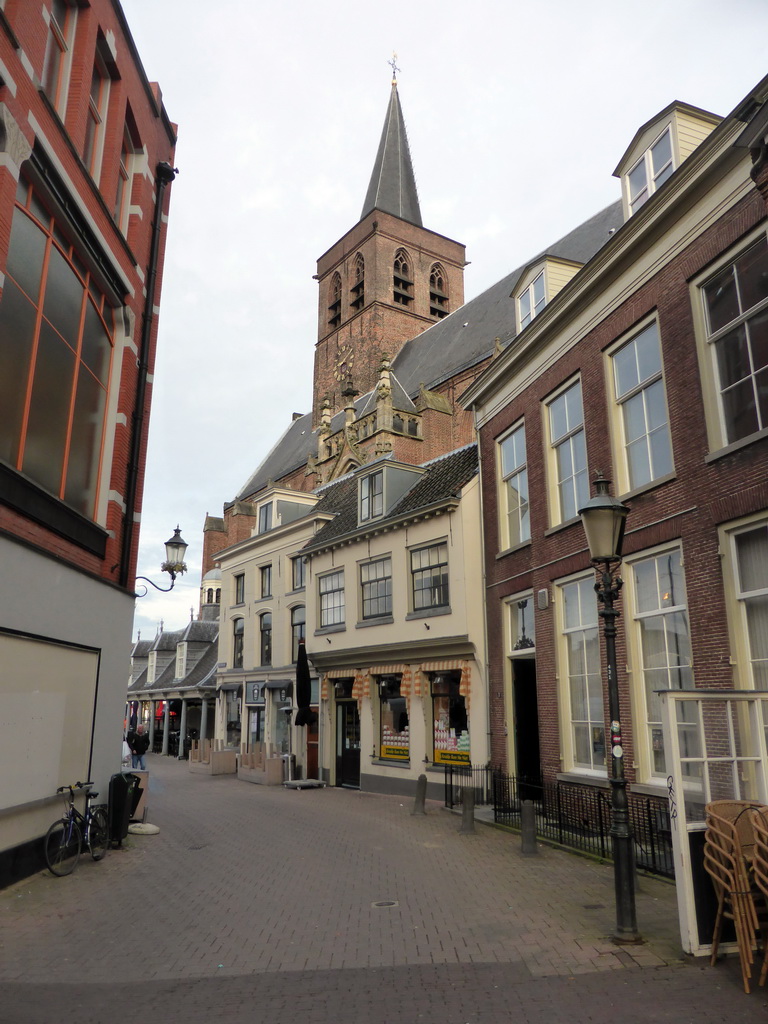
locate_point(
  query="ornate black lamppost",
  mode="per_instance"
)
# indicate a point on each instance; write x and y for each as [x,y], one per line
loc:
[604,518]
[174,564]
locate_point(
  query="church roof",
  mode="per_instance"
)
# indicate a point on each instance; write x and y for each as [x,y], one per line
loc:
[469,334]
[393,184]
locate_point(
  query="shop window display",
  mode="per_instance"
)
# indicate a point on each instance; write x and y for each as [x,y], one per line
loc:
[395,740]
[450,725]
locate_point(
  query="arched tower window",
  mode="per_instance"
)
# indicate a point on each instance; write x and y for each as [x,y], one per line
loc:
[403,279]
[438,292]
[334,306]
[209,597]
[358,279]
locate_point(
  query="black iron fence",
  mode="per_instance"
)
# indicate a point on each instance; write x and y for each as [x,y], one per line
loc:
[569,814]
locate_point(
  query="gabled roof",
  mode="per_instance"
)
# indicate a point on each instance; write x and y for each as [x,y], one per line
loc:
[443,478]
[469,334]
[200,631]
[166,641]
[393,184]
[140,683]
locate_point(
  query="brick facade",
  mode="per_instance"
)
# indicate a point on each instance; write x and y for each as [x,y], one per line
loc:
[687,507]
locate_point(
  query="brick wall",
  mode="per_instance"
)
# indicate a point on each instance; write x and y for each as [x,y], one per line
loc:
[686,508]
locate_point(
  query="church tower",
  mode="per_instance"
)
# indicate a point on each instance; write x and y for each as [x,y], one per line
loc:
[385,281]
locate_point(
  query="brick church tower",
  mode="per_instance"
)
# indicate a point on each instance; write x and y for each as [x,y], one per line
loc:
[385,281]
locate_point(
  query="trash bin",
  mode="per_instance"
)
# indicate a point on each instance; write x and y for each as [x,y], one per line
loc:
[289,767]
[121,793]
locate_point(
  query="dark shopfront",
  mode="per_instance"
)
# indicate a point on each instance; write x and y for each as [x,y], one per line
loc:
[347,735]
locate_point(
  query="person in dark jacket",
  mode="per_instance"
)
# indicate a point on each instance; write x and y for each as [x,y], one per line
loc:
[139,744]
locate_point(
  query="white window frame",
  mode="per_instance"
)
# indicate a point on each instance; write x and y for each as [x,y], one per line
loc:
[717,427]
[440,562]
[648,733]
[375,590]
[298,570]
[585,582]
[737,598]
[521,513]
[331,614]
[528,304]
[265,576]
[637,394]
[579,481]
[371,494]
[265,517]
[654,177]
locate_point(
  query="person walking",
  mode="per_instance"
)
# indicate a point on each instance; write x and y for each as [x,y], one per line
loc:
[139,746]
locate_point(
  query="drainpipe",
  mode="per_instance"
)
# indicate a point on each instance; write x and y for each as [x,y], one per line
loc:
[164,174]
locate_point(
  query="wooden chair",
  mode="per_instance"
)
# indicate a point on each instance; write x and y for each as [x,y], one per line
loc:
[760,869]
[739,813]
[725,864]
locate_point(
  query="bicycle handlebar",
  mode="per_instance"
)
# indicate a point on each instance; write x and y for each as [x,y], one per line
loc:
[77,785]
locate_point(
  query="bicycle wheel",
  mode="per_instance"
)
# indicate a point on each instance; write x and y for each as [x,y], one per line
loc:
[62,846]
[98,833]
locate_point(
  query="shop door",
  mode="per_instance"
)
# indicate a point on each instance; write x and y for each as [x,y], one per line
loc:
[715,749]
[348,744]
[528,761]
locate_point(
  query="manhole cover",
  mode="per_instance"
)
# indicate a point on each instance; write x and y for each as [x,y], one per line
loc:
[386,903]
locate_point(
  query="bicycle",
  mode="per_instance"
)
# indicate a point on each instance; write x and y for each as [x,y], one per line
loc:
[64,839]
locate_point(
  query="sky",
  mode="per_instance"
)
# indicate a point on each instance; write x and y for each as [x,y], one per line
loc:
[517,114]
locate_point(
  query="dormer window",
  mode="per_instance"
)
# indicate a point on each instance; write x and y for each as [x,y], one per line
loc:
[402,280]
[532,300]
[372,496]
[265,518]
[334,307]
[658,148]
[438,292]
[358,287]
[651,171]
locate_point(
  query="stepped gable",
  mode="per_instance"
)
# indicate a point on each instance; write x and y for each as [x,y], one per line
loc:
[442,478]
[469,334]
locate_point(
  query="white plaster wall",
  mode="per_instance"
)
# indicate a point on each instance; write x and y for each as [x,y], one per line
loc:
[44,597]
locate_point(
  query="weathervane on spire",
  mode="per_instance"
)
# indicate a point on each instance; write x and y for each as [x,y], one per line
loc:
[393,64]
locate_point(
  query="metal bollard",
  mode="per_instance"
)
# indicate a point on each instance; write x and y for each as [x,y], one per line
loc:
[528,829]
[421,795]
[467,812]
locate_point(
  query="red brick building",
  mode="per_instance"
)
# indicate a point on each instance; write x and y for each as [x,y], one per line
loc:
[86,152]
[648,363]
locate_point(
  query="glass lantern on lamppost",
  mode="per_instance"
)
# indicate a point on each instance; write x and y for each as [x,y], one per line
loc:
[174,564]
[604,518]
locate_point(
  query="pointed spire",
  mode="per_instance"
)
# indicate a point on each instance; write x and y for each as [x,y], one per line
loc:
[393,185]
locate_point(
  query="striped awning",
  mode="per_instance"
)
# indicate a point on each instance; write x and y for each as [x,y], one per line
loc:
[449,665]
[402,670]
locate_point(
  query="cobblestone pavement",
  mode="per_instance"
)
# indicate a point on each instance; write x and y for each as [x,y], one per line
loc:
[260,904]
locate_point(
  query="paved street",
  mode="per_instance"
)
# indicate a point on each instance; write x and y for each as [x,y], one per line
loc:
[259,904]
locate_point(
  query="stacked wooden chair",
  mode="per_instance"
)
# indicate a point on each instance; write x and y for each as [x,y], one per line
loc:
[759,818]
[728,852]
